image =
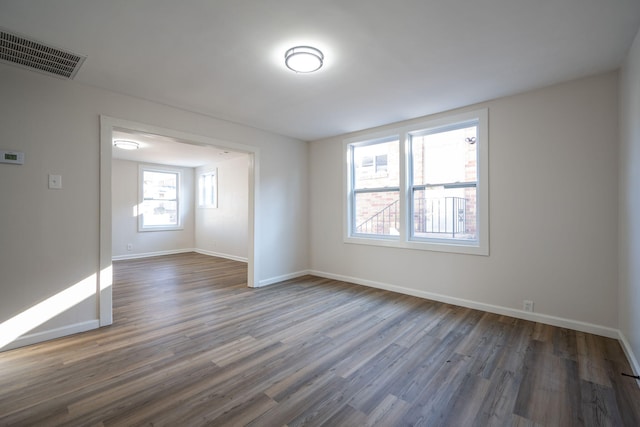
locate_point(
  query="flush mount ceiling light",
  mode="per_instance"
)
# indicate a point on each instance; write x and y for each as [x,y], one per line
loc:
[125,144]
[303,59]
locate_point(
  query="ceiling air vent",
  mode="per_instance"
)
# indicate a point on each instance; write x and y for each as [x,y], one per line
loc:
[33,55]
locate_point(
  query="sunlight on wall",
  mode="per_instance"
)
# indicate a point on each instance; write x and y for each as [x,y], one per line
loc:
[106,277]
[136,209]
[38,314]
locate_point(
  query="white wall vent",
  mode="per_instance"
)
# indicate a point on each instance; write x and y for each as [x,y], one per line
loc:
[23,52]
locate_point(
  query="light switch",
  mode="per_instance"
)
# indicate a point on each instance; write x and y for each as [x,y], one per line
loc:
[55,182]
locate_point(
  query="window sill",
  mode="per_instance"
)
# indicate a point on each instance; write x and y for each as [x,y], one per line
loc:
[147,229]
[440,246]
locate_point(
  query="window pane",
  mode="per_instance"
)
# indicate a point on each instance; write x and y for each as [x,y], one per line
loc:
[377,213]
[445,213]
[159,206]
[160,185]
[381,163]
[445,157]
[160,212]
[376,165]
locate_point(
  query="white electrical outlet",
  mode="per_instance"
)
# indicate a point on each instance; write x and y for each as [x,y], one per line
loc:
[527,305]
[129,246]
[55,182]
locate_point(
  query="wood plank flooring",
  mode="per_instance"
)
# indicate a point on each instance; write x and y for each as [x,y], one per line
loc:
[191,345]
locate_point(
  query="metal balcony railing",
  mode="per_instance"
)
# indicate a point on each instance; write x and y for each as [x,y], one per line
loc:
[445,215]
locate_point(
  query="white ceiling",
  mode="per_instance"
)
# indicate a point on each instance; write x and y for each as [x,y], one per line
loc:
[385,60]
[169,151]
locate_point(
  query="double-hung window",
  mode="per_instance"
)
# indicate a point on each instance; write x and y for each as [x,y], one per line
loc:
[443,183]
[159,207]
[375,187]
[421,187]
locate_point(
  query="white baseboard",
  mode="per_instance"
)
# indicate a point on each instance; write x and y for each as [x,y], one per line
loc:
[178,251]
[52,334]
[631,357]
[278,279]
[151,254]
[220,255]
[505,311]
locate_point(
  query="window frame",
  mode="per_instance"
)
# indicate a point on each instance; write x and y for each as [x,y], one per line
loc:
[179,209]
[480,246]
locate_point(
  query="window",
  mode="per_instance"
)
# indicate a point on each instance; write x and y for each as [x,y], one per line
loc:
[208,190]
[159,207]
[443,182]
[376,190]
[421,187]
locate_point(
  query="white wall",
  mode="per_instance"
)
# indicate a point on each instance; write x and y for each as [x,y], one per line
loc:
[49,240]
[553,153]
[629,301]
[553,183]
[223,230]
[124,189]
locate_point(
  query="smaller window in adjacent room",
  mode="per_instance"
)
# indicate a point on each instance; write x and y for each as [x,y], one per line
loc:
[159,208]
[208,190]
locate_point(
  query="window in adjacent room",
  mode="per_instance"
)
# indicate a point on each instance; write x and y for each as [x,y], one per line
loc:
[208,190]
[159,208]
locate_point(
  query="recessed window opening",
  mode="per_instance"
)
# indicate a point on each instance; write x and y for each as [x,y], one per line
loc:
[421,187]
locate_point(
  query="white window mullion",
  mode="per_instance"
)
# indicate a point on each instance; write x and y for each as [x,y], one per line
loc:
[405,211]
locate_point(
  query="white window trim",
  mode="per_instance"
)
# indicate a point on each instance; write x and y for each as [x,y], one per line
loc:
[179,194]
[479,247]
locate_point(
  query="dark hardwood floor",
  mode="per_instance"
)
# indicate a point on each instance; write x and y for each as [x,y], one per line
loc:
[192,345]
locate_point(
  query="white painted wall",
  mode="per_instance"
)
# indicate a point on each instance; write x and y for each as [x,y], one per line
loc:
[629,301]
[223,230]
[49,240]
[553,199]
[553,183]
[124,189]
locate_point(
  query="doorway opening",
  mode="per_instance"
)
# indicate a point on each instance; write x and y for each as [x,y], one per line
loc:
[195,154]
